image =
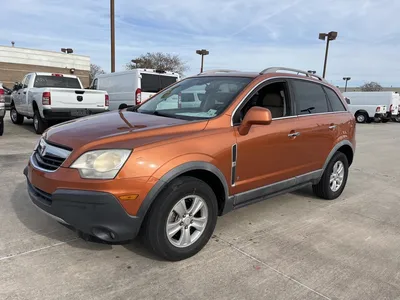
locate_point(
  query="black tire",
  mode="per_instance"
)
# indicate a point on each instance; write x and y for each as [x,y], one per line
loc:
[156,220]
[1,126]
[385,120]
[15,117]
[38,123]
[323,188]
[361,117]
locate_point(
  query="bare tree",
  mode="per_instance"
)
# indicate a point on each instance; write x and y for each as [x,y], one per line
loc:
[160,61]
[94,70]
[371,87]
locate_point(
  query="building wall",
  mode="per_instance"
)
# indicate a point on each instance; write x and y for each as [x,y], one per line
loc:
[16,62]
[385,89]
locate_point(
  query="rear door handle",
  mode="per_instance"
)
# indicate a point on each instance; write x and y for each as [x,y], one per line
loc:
[293,134]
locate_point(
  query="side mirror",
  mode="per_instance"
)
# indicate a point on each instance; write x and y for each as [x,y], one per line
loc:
[255,116]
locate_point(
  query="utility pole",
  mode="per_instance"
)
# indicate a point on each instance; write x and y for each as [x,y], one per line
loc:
[112,25]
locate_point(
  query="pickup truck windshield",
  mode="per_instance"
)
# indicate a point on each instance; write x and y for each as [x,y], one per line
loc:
[195,98]
[42,81]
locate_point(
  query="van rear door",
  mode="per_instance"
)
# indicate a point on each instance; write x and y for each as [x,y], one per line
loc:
[153,82]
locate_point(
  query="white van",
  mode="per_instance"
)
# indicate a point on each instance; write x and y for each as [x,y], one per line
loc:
[364,105]
[134,86]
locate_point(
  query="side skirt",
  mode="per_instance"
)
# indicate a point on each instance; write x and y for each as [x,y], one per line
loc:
[272,190]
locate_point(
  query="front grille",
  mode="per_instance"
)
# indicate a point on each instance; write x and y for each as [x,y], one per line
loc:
[49,157]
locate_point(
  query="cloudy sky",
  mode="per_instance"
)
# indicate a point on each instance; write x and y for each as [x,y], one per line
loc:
[240,34]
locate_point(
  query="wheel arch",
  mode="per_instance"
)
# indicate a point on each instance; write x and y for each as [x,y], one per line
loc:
[361,111]
[205,171]
[345,147]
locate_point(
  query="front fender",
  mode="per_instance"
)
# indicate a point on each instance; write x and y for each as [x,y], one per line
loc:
[176,167]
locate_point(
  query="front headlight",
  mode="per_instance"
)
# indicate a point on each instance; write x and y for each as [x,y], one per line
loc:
[101,164]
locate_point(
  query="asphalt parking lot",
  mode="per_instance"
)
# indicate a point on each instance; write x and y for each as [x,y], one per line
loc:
[290,247]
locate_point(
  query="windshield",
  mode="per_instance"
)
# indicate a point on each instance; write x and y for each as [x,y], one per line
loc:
[42,81]
[196,98]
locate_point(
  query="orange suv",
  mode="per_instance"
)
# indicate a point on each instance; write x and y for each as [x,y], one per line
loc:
[198,149]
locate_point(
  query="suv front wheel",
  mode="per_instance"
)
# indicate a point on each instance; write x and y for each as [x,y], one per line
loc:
[334,178]
[182,219]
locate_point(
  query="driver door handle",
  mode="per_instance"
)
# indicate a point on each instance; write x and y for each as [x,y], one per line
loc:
[293,134]
[332,126]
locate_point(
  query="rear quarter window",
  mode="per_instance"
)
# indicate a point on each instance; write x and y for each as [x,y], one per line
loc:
[336,103]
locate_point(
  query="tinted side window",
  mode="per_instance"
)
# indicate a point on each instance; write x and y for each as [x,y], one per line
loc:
[310,98]
[336,103]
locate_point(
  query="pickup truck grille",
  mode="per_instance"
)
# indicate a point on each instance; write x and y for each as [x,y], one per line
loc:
[49,157]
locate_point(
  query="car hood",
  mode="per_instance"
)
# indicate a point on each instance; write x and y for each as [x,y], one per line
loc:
[121,128]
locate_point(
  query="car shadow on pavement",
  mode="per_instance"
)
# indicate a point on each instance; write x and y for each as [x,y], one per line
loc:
[41,224]
[306,192]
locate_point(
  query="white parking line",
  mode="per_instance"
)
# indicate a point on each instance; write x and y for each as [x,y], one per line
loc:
[36,250]
[276,271]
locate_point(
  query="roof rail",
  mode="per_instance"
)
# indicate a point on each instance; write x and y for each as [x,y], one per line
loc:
[277,69]
[218,71]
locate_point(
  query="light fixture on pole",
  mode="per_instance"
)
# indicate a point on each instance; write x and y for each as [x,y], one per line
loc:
[202,52]
[346,79]
[330,36]
[67,50]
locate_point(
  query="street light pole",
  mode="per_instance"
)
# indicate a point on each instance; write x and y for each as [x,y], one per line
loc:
[330,36]
[346,79]
[202,52]
[112,25]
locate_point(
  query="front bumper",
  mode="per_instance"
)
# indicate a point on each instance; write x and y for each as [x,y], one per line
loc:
[95,213]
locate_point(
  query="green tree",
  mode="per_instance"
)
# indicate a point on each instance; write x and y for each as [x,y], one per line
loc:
[371,87]
[160,61]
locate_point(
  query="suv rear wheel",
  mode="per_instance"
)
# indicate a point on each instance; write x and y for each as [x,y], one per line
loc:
[1,126]
[334,178]
[182,219]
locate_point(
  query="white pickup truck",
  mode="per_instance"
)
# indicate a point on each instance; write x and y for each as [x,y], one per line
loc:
[48,97]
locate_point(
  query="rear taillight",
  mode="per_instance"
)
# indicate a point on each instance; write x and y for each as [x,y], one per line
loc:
[46,98]
[378,109]
[106,100]
[2,97]
[57,75]
[138,96]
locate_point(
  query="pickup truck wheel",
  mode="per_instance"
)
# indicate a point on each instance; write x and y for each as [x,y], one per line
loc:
[181,219]
[16,118]
[1,126]
[361,117]
[334,178]
[38,123]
